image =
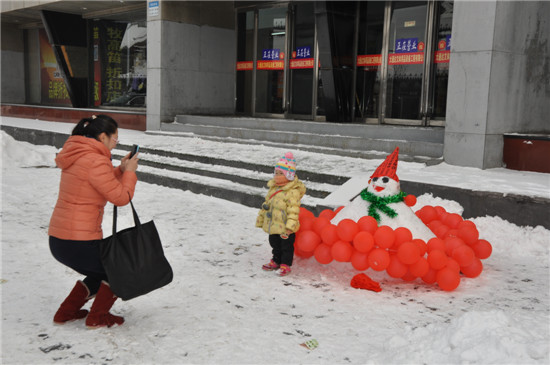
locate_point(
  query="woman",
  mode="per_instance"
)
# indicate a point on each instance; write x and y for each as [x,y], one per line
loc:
[88,181]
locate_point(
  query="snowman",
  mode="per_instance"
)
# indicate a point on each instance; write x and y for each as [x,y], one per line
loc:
[383,200]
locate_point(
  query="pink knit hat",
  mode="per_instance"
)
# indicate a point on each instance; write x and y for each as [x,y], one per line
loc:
[287,164]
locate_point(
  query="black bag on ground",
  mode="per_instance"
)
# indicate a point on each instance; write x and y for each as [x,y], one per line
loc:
[134,259]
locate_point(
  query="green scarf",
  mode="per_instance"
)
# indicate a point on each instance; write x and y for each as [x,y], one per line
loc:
[381,203]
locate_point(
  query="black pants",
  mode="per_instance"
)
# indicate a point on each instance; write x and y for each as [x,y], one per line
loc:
[83,257]
[283,250]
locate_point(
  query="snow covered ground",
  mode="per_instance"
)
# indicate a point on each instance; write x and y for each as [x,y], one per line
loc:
[222,308]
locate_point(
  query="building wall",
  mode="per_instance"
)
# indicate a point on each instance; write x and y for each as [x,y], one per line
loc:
[498,79]
[12,61]
[190,65]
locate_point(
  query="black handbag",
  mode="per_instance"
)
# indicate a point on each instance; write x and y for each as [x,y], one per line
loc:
[134,259]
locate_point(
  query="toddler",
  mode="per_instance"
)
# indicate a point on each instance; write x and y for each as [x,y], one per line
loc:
[279,214]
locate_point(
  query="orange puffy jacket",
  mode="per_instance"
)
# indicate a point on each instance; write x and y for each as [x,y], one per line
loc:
[88,181]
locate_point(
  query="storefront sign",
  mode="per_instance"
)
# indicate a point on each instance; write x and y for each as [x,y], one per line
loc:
[442,56]
[97,68]
[303,52]
[53,88]
[369,60]
[270,65]
[301,63]
[153,8]
[406,45]
[406,59]
[271,54]
[245,65]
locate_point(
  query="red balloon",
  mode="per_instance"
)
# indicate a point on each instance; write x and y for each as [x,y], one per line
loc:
[448,279]
[347,229]
[410,200]
[327,213]
[436,244]
[452,220]
[482,249]
[453,232]
[307,241]
[441,212]
[402,234]
[430,277]
[452,264]
[379,259]
[421,246]
[441,231]
[306,223]
[469,235]
[302,254]
[420,268]
[474,269]
[304,213]
[408,253]
[464,255]
[466,224]
[451,244]
[322,254]
[337,210]
[396,269]
[359,261]
[437,259]
[341,251]
[368,224]
[384,237]
[328,234]
[428,214]
[319,224]
[434,224]
[363,242]
[408,276]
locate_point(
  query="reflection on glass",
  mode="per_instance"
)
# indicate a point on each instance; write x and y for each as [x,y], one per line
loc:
[245,57]
[405,59]
[442,49]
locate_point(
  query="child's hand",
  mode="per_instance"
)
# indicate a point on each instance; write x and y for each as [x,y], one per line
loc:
[285,235]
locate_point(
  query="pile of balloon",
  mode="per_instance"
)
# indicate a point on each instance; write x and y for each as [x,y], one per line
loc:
[455,251]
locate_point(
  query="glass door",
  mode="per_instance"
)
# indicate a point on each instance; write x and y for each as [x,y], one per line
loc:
[271,53]
[405,65]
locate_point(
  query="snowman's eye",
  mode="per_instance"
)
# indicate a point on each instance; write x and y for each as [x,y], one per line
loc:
[374,178]
[385,179]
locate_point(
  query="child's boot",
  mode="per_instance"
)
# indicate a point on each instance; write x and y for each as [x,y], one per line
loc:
[284,270]
[270,266]
[99,313]
[70,310]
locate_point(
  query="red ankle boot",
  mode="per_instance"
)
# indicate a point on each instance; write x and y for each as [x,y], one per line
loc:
[70,308]
[99,315]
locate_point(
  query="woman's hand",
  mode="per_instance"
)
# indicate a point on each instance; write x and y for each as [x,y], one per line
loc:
[129,164]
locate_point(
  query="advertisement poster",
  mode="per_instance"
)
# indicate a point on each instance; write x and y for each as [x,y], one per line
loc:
[53,88]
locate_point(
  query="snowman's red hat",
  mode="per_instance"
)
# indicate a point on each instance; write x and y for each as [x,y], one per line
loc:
[388,167]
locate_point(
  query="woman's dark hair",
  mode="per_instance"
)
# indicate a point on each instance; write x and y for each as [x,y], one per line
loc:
[95,125]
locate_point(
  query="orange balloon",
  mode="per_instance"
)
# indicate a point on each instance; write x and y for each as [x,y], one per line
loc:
[307,241]
[408,253]
[327,213]
[322,254]
[363,241]
[319,224]
[482,249]
[430,277]
[341,251]
[328,234]
[437,259]
[448,279]
[306,223]
[384,237]
[379,259]
[367,223]
[451,244]
[474,269]
[469,235]
[359,261]
[464,255]
[347,229]
[421,246]
[436,244]
[402,234]
[420,268]
[396,269]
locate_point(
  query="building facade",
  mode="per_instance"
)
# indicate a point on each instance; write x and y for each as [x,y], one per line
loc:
[479,70]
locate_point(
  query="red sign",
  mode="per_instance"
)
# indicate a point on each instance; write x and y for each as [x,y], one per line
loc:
[369,60]
[442,56]
[270,65]
[415,58]
[245,65]
[300,63]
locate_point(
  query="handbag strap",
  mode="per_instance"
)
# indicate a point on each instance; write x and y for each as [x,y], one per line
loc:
[136,218]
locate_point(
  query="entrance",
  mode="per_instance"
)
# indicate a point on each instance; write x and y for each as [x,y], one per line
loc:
[401,51]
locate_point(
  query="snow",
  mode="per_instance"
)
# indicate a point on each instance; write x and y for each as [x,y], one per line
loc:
[222,308]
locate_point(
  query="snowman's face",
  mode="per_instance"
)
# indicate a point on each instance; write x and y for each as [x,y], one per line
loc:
[383,186]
